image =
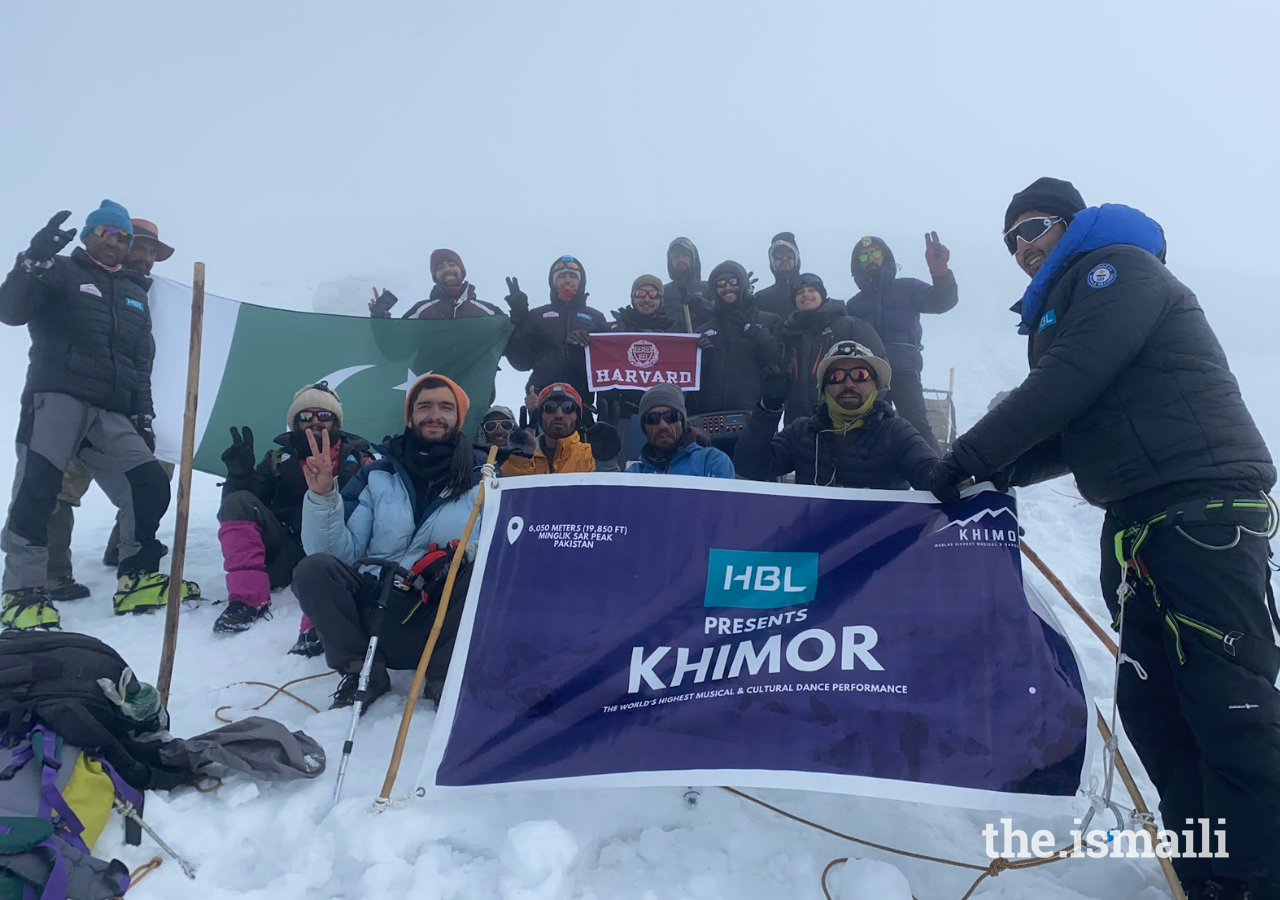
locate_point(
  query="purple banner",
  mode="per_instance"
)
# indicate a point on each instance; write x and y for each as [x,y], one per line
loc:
[642,630]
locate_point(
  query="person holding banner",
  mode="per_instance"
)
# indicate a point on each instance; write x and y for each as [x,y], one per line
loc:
[738,343]
[406,507]
[550,340]
[87,396]
[560,448]
[645,315]
[853,439]
[1130,391]
[672,447]
[815,325]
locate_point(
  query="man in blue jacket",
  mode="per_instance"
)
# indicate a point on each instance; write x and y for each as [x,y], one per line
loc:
[1130,391]
[672,448]
[410,506]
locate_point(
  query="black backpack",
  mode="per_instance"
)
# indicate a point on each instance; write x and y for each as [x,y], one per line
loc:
[52,678]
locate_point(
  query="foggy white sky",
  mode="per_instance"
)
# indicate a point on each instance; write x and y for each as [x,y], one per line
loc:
[290,143]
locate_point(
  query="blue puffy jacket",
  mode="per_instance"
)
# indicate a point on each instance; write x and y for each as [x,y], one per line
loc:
[690,459]
[374,516]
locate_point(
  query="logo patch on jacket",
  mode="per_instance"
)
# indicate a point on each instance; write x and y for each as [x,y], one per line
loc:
[1049,318]
[551,315]
[135,304]
[90,289]
[1101,276]
[587,316]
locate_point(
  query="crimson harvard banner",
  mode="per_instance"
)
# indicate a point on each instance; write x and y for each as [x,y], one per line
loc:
[639,360]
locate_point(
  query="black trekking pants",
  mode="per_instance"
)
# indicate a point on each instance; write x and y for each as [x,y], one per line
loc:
[1206,719]
[907,397]
[340,600]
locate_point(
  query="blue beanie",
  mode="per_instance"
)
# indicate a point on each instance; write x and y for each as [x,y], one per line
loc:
[109,213]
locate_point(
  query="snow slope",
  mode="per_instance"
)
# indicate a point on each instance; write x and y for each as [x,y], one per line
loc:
[287,842]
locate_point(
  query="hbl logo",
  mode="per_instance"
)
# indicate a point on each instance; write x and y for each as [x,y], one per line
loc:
[749,579]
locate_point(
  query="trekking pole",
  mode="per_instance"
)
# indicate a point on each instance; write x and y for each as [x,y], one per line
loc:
[178,560]
[386,580]
[420,675]
[125,808]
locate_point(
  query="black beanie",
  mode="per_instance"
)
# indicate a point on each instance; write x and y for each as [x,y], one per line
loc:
[1051,195]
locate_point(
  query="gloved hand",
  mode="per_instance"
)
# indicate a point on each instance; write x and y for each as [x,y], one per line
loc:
[517,299]
[945,479]
[430,569]
[380,306]
[935,254]
[776,382]
[523,442]
[239,457]
[605,441]
[49,240]
[707,340]
[578,338]
[142,425]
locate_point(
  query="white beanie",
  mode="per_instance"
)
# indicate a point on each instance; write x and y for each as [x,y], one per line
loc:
[314,396]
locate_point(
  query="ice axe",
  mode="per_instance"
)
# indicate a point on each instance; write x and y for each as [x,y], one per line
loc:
[390,569]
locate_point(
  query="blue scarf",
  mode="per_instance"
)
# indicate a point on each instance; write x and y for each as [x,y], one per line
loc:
[1091,229]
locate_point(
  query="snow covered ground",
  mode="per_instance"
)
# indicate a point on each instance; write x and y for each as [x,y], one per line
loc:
[288,841]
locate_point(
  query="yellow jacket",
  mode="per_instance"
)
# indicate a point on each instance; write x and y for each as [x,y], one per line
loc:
[572,455]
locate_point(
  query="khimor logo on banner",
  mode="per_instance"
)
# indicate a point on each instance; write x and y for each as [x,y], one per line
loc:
[732,634]
[639,360]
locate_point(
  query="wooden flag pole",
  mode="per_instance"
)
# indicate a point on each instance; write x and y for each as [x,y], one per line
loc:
[179,556]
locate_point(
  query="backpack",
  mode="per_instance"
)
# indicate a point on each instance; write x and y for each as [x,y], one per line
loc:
[55,799]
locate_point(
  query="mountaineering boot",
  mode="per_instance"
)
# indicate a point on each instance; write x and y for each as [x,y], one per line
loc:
[345,695]
[239,616]
[64,588]
[308,644]
[139,592]
[29,609]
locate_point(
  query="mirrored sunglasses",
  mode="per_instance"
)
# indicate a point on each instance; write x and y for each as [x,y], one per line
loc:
[109,230]
[874,254]
[320,415]
[726,282]
[857,376]
[641,293]
[1029,230]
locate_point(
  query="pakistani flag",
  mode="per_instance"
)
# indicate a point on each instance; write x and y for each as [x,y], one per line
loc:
[254,358]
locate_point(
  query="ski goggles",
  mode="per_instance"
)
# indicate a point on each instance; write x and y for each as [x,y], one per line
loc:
[566,262]
[564,406]
[498,425]
[109,230]
[726,282]
[1029,230]
[874,254]
[669,416]
[641,293]
[320,415]
[857,376]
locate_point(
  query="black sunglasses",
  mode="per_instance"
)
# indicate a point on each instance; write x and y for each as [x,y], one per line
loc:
[504,424]
[322,415]
[564,406]
[670,416]
[1029,230]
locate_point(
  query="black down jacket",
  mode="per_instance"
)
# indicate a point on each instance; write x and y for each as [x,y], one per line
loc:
[278,480]
[892,306]
[810,334]
[1129,389]
[686,285]
[540,342]
[90,331]
[886,453]
[744,342]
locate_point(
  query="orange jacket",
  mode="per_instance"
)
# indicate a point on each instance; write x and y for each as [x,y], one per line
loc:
[572,455]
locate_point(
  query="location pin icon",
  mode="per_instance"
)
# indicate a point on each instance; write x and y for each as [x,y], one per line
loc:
[514,528]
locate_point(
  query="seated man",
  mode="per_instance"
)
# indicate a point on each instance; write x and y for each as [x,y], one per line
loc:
[672,448]
[261,512]
[560,448]
[496,427]
[408,507]
[853,440]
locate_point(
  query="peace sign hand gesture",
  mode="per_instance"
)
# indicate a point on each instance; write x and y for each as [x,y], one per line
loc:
[318,467]
[935,254]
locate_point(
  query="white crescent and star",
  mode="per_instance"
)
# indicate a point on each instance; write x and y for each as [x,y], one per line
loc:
[333,379]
